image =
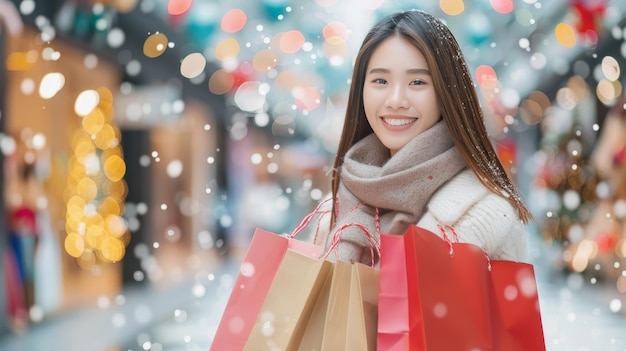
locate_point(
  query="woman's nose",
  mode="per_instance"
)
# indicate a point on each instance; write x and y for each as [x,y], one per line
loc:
[397,97]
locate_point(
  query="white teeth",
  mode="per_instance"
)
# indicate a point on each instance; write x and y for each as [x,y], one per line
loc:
[398,122]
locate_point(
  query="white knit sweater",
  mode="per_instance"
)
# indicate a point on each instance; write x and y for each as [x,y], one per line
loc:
[478,216]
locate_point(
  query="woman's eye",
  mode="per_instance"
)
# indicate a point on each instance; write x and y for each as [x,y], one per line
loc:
[417,82]
[379,81]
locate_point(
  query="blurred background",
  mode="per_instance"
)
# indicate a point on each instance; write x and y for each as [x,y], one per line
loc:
[143,141]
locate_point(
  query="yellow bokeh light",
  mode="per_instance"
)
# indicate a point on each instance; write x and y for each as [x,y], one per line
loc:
[114,168]
[74,245]
[227,49]
[94,121]
[110,206]
[87,188]
[93,235]
[92,194]
[21,61]
[76,201]
[83,149]
[112,249]
[565,35]
[115,225]
[221,82]
[452,7]
[75,212]
[106,138]
[155,45]
[105,94]
[94,219]
[74,225]
[264,61]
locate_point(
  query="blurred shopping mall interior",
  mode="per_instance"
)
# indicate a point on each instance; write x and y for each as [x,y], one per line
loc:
[143,141]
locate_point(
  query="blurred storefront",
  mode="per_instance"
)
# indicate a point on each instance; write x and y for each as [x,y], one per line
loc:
[121,190]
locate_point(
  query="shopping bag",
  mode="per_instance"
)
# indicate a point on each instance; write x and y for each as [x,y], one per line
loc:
[351,314]
[397,328]
[363,308]
[457,298]
[257,271]
[314,330]
[287,308]
[256,274]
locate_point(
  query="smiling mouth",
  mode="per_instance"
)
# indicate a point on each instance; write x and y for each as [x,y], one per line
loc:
[398,122]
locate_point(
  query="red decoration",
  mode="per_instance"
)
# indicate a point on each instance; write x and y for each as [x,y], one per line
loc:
[606,242]
[590,14]
[243,73]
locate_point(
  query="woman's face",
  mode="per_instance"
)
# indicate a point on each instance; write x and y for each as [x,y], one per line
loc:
[398,94]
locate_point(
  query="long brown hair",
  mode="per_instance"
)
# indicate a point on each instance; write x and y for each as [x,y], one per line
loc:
[457,98]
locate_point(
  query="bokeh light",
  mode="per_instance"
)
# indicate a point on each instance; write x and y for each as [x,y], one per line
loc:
[227,49]
[155,45]
[486,77]
[452,7]
[95,189]
[221,82]
[565,35]
[233,21]
[610,68]
[291,41]
[335,33]
[502,6]
[265,60]
[193,65]
[250,97]
[178,7]
[86,102]
[51,84]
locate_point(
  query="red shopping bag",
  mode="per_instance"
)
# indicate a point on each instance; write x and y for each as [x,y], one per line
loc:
[437,295]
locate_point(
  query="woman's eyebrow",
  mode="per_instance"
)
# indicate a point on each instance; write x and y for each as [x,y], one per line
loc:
[411,71]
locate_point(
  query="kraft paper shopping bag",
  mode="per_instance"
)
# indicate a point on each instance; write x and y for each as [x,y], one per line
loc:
[287,308]
[314,330]
[351,316]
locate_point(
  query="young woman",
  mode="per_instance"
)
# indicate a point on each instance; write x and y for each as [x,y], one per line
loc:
[414,147]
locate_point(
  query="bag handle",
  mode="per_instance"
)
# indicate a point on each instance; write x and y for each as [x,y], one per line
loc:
[372,239]
[307,219]
[456,240]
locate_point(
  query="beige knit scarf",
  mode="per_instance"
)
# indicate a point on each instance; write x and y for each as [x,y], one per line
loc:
[399,187]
